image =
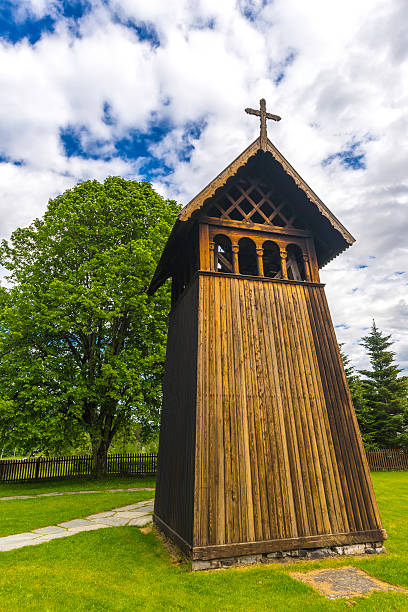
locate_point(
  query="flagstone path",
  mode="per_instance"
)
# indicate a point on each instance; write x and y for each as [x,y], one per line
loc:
[136,515]
[53,493]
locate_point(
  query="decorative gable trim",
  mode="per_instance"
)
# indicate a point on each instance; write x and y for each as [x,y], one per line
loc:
[198,201]
[310,194]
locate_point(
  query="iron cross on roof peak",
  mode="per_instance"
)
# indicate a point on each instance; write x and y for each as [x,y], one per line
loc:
[263,116]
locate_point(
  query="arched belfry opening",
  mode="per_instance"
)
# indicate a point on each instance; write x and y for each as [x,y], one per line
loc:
[295,264]
[248,263]
[222,253]
[260,450]
[272,264]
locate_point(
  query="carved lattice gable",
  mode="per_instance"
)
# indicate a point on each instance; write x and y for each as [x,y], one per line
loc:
[251,201]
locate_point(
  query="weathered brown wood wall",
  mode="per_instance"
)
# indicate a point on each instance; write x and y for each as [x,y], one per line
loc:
[278,451]
[175,469]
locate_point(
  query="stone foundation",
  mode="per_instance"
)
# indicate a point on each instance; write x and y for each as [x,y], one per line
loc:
[370,548]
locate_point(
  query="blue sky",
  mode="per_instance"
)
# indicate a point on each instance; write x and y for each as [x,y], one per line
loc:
[157,91]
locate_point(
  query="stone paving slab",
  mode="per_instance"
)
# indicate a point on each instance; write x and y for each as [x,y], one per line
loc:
[138,516]
[49,494]
[16,497]
[343,582]
[130,514]
[141,522]
[52,536]
[130,507]
[20,544]
[113,521]
[74,523]
[90,527]
[20,536]
[48,530]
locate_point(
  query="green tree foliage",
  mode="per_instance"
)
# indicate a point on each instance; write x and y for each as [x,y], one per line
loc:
[385,393]
[81,344]
[129,439]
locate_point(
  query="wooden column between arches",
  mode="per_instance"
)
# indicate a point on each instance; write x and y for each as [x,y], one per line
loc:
[259,255]
[235,262]
[204,263]
[212,256]
[284,256]
[306,266]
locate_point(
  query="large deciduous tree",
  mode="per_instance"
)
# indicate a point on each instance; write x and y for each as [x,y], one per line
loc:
[82,346]
[385,393]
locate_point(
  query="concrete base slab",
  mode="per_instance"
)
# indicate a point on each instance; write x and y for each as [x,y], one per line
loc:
[343,582]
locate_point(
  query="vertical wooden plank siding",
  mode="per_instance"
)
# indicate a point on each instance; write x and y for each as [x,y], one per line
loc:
[175,469]
[278,451]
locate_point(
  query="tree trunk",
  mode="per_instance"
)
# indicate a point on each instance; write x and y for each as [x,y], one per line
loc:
[100,454]
[102,441]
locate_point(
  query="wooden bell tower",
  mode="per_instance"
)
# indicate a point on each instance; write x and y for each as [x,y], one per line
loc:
[260,449]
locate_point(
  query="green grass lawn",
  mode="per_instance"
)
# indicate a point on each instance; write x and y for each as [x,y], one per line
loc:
[123,569]
[80,484]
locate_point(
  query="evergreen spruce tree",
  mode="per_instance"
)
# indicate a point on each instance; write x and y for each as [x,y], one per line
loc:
[355,384]
[385,393]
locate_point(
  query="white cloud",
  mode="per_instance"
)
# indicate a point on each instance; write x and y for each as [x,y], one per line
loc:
[345,75]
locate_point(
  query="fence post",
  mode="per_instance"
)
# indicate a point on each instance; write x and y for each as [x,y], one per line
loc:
[37,468]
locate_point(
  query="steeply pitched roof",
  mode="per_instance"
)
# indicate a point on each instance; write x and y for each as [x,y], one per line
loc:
[326,228]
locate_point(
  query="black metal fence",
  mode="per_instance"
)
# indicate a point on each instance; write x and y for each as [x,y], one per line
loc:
[79,466]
